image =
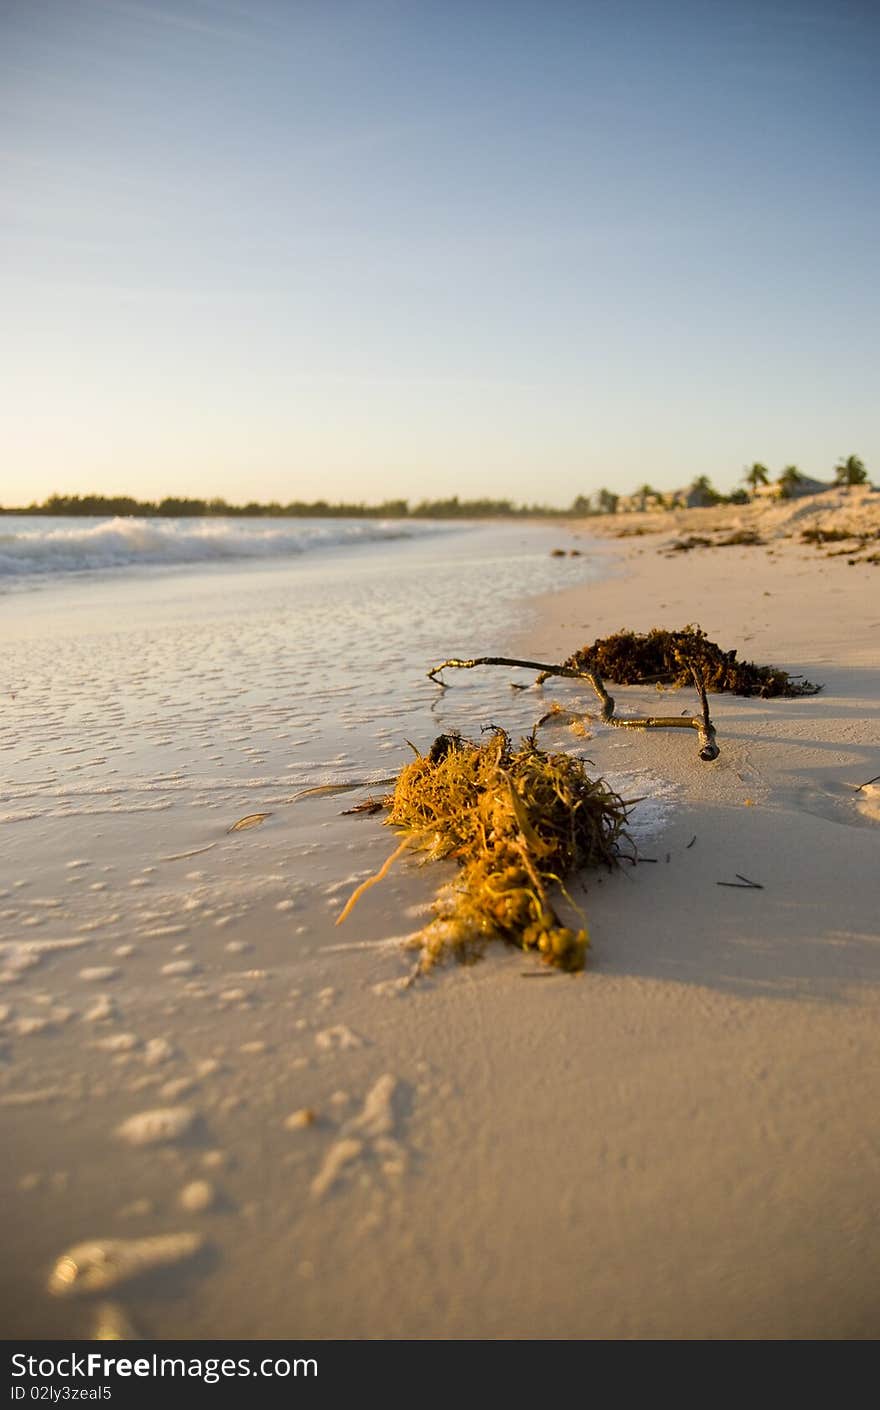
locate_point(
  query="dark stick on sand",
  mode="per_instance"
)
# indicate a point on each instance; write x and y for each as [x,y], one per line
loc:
[702,723]
[868,781]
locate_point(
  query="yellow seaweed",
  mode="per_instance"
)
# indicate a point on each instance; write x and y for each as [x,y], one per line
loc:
[517,821]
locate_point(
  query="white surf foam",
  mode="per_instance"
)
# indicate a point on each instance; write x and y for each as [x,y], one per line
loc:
[29,547]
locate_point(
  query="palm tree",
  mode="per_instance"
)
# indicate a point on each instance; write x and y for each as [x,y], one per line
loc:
[756,475]
[606,502]
[850,472]
[644,493]
[702,487]
[789,480]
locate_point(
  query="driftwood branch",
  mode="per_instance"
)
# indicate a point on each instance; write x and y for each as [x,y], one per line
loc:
[702,723]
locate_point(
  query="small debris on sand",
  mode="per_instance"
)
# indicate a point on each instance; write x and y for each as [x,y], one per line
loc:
[340,1154]
[159,1127]
[102,1264]
[197,1196]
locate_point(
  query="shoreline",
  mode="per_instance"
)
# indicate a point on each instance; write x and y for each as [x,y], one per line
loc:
[680,1143]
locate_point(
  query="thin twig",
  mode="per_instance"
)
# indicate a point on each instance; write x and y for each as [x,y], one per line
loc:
[702,723]
[868,781]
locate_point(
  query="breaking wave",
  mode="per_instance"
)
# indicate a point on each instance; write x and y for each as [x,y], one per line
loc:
[49,546]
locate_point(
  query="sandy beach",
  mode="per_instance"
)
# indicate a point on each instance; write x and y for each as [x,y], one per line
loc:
[351,991]
[682,1142]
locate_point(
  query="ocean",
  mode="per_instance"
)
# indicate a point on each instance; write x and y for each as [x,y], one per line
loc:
[184,668]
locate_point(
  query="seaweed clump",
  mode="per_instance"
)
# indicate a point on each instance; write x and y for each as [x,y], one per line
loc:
[664,657]
[516,821]
[820,536]
[748,538]
[691,541]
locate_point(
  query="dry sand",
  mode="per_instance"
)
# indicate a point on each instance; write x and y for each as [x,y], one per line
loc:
[683,1142]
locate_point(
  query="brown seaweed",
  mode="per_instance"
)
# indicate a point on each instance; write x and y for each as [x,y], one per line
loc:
[691,541]
[745,538]
[661,657]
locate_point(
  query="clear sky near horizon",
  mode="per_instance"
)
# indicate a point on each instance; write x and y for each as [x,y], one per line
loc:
[356,249]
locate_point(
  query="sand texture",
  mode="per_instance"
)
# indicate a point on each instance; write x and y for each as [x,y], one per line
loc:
[682,1142]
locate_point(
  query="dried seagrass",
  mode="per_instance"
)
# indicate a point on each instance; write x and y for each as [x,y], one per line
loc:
[518,822]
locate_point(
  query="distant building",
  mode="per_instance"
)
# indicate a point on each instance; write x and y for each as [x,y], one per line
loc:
[797,489]
[694,497]
[637,503]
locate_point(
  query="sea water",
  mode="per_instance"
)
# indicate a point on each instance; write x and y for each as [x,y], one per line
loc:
[176,669]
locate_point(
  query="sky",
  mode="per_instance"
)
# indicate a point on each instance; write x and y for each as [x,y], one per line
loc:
[361,249]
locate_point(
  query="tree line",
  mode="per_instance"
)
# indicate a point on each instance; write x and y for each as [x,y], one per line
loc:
[850,470]
[124,506]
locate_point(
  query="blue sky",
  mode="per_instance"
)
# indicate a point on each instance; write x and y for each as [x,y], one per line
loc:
[368,248]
